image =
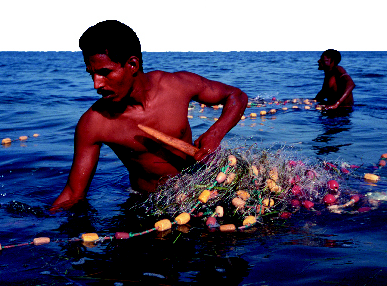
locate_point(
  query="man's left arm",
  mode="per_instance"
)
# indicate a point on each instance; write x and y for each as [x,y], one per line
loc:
[234,103]
[349,85]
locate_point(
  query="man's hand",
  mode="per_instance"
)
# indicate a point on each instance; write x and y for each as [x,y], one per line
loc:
[207,144]
[329,107]
[63,206]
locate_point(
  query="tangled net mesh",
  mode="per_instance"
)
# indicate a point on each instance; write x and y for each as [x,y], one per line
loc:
[263,182]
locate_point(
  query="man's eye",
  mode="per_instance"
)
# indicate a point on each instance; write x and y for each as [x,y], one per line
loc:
[104,72]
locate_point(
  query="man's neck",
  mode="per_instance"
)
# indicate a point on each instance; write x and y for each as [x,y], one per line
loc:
[329,70]
[139,92]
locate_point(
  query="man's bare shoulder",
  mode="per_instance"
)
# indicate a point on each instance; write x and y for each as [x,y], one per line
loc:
[92,117]
[173,77]
[97,117]
[94,111]
[340,70]
[177,84]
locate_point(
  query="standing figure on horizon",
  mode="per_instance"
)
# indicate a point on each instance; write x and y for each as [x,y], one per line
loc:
[129,97]
[338,85]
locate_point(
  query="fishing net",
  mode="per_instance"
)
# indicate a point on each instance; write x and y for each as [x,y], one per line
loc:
[246,181]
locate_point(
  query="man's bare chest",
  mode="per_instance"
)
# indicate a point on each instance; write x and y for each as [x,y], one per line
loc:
[123,132]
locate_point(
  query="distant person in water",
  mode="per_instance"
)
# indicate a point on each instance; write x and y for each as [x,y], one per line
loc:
[338,85]
[157,99]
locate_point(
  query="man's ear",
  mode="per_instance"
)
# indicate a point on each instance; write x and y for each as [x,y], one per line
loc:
[133,63]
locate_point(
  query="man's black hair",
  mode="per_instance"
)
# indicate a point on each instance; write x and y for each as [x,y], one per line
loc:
[112,38]
[334,55]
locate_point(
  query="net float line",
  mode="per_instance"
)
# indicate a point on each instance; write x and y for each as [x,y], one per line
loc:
[254,103]
[260,102]
[91,239]
[271,107]
[7,141]
[309,103]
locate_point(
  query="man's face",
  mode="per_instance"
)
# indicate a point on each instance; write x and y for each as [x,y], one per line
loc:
[111,80]
[324,63]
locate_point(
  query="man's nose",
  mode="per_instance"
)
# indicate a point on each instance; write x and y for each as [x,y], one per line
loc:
[98,81]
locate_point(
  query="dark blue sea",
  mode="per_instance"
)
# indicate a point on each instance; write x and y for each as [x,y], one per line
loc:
[45,93]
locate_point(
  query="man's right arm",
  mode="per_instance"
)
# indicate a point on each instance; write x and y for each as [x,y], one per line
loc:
[321,95]
[86,155]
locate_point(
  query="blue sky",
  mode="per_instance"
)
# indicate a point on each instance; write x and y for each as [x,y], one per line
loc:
[211,25]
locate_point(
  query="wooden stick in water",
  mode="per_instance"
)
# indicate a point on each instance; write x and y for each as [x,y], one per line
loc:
[169,140]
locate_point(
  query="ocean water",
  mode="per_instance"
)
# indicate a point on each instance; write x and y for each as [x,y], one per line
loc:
[47,92]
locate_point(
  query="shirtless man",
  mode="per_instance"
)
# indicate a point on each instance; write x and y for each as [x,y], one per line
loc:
[338,85]
[112,54]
